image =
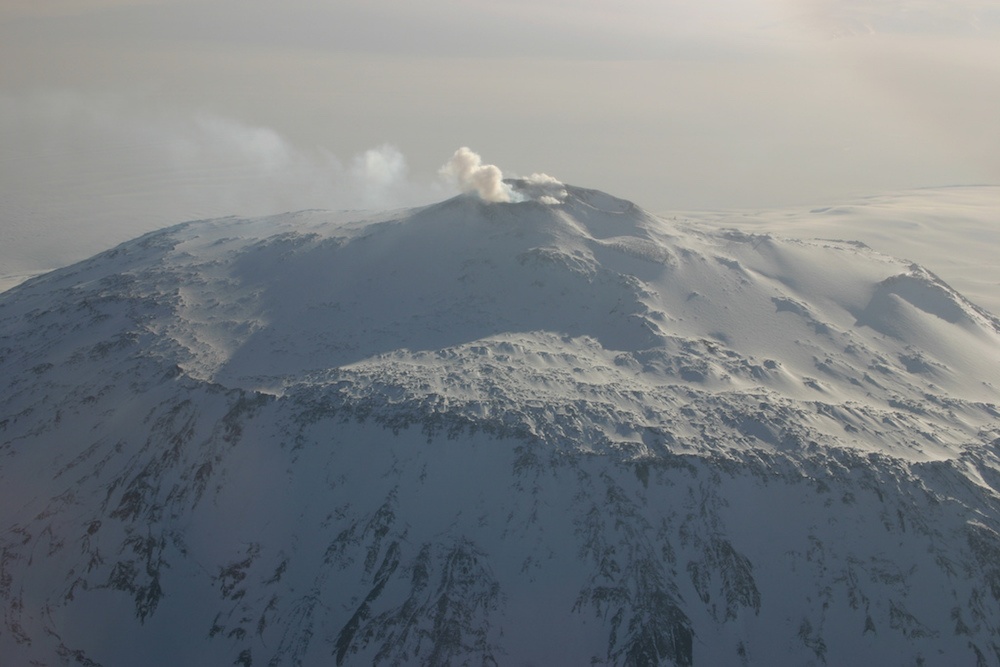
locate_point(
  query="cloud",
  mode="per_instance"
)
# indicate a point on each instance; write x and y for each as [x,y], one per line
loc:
[378,174]
[466,170]
[178,163]
[81,173]
[73,8]
[263,172]
[849,18]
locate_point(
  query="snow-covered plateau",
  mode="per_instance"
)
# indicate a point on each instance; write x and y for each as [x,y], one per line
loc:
[559,431]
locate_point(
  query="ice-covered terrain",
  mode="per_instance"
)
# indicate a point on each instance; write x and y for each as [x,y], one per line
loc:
[955,230]
[554,431]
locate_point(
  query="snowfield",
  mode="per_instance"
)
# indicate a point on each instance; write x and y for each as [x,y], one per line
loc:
[556,431]
[953,231]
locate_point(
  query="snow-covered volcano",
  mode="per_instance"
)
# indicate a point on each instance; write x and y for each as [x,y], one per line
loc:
[558,431]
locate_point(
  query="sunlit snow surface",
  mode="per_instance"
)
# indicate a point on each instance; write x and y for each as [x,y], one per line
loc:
[953,231]
[560,431]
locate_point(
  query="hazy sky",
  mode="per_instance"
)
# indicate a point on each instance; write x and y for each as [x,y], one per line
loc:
[118,116]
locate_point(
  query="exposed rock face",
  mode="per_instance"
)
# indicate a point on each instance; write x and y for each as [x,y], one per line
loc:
[529,433]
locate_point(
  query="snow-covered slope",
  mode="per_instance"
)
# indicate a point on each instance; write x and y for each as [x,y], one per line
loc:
[557,431]
[954,231]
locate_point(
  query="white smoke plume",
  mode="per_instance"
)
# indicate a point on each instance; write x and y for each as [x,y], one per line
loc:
[82,172]
[545,189]
[466,170]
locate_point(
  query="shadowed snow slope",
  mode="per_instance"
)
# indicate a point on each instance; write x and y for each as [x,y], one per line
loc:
[560,431]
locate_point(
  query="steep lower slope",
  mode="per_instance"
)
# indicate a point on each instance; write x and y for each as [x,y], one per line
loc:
[559,431]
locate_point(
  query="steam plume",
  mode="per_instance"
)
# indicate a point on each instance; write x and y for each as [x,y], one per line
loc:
[466,170]
[126,168]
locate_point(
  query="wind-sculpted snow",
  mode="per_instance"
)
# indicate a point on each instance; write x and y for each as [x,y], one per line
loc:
[536,432]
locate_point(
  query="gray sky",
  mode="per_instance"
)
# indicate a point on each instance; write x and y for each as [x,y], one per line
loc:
[117,116]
